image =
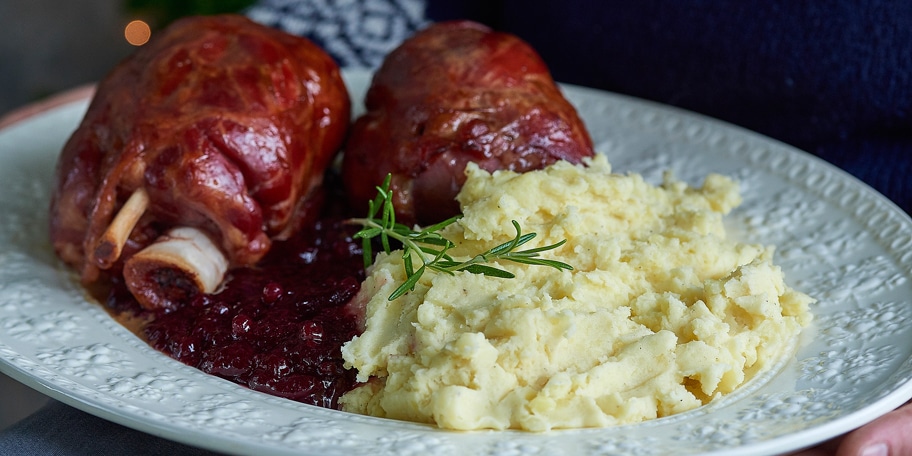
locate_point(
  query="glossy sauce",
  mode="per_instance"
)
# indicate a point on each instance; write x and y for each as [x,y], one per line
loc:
[276,327]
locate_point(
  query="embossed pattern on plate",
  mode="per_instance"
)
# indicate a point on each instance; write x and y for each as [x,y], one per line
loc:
[836,239]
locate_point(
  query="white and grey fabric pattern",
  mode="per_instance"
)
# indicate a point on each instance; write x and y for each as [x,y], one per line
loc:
[357,33]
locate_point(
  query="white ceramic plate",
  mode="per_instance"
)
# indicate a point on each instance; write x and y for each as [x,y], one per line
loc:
[837,240]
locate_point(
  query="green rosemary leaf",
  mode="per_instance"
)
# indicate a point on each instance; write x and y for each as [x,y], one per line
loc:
[488,271]
[545,248]
[368,233]
[384,241]
[447,264]
[430,248]
[437,241]
[541,262]
[408,285]
[407,263]
[441,225]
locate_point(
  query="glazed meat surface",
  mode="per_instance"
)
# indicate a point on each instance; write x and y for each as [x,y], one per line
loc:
[225,124]
[454,93]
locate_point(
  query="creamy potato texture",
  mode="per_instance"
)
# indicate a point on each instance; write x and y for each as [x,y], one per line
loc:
[662,312]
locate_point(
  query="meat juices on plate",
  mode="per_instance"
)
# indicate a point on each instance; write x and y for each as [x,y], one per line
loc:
[454,93]
[209,138]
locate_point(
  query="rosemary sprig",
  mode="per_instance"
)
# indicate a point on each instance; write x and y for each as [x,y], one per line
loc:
[430,248]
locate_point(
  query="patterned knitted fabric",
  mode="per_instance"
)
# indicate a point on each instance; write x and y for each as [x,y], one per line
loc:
[357,33]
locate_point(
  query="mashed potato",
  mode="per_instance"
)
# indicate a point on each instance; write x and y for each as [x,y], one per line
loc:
[661,313]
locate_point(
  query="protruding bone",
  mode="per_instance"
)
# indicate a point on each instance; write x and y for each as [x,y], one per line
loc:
[179,265]
[110,244]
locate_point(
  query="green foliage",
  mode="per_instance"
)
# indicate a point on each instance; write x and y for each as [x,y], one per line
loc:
[160,13]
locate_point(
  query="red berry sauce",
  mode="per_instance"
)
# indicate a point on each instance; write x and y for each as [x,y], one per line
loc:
[277,327]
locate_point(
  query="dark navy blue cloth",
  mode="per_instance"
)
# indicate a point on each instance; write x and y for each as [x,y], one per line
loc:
[833,78]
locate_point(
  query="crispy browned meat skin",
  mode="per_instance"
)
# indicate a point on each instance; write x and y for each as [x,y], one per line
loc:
[226,124]
[454,93]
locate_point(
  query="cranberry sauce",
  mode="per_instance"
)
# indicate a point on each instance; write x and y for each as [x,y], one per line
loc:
[277,327]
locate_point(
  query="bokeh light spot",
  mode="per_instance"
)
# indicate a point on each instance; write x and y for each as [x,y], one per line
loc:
[137,33]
